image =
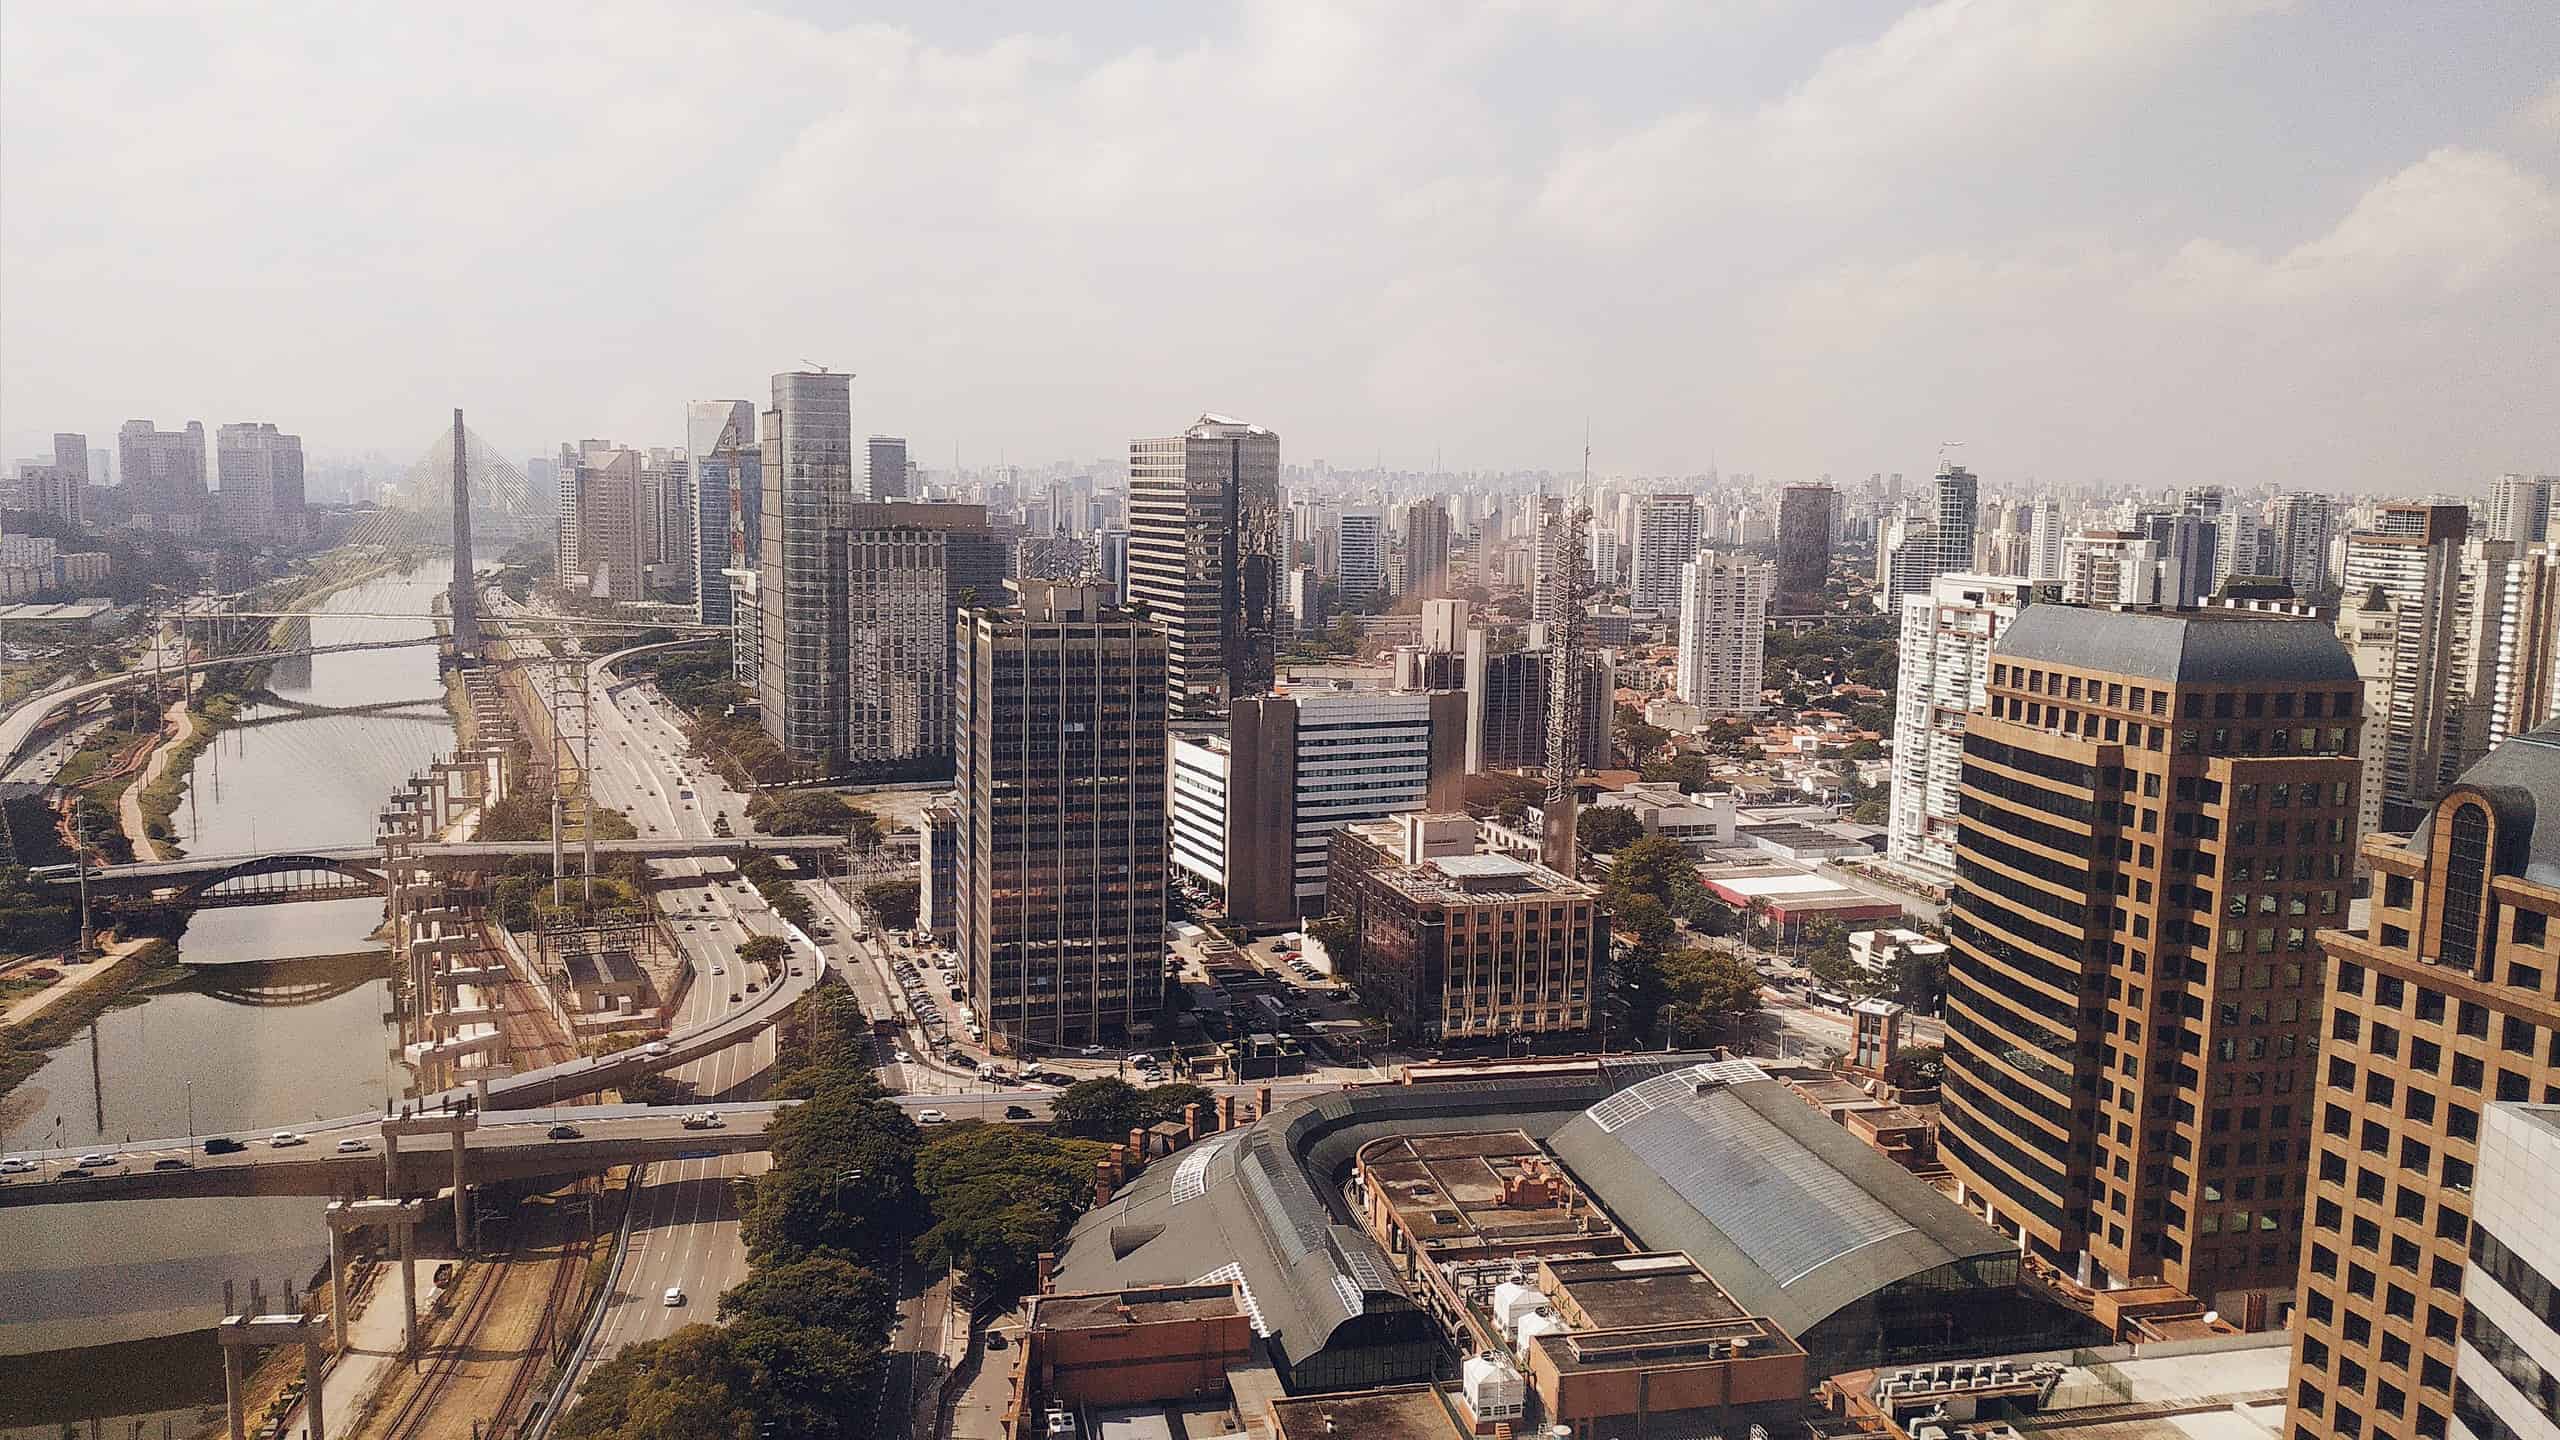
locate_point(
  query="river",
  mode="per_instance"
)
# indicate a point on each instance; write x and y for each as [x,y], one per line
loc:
[225,1050]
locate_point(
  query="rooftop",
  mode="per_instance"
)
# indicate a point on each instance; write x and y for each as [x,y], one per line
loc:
[1137,1305]
[2195,647]
[1462,1191]
[1409,1412]
[1621,1292]
[2522,777]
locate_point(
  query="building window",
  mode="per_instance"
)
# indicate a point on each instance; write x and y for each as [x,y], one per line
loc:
[2466,882]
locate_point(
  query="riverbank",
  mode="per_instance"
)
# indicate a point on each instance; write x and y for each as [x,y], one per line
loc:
[41,1022]
[331,572]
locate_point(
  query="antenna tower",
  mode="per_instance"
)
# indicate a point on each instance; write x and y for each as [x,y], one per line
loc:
[1567,625]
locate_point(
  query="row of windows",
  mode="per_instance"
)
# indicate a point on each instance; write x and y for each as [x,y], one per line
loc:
[1979,878]
[1957,1142]
[2019,792]
[2537,1385]
[2052,1025]
[2517,1276]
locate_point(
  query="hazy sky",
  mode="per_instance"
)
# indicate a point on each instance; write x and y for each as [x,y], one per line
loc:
[2126,240]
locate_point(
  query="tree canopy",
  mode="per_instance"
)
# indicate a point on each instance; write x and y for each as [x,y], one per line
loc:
[1602,829]
[1108,1108]
[999,1196]
[894,903]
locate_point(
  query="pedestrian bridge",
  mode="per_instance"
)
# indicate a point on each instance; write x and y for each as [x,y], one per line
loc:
[215,880]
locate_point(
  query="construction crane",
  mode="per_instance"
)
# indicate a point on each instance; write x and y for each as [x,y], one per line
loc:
[1568,621]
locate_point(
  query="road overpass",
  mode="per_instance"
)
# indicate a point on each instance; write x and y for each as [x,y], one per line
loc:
[20,727]
[504,1147]
[202,872]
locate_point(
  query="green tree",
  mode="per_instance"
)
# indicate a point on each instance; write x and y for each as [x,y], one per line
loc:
[766,951]
[687,1386]
[894,903]
[1652,866]
[1921,1067]
[1161,1103]
[843,1175]
[825,1290]
[1707,989]
[1099,1109]
[1689,772]
[1641,916]
[1601,829]
[1920,981]
[999,1196]
[1340,941]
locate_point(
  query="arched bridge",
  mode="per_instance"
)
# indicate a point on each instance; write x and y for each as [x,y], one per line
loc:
[265,879]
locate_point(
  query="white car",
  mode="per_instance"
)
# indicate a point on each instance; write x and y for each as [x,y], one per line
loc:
[932,1117]
[351,1145]
[15,1166]
[283,1138]
[654,1049]
[94,1159]
[675,1296]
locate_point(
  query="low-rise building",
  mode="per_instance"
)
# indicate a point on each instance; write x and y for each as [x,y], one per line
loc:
[1468,947]
[1878,951]
[1696,821]
[1795,897]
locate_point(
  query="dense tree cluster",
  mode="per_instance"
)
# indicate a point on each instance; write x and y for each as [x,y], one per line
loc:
[1108,1108]
[812,812]
[894,903]
[802,1338]
[1670,991]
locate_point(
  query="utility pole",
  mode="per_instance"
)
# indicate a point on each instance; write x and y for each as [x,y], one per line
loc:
[80,859]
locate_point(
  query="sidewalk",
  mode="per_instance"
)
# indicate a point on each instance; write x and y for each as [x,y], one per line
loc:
[372,1356]
[129,805]
[75,978]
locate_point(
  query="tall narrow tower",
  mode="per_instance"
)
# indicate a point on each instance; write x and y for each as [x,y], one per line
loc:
[465,600]
[1567,626]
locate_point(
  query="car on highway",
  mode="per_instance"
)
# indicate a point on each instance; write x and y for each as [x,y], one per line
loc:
[1090,1051]
[353,1146]
[705,1120]
[932,1117]
[735,997]
[223,1145]
[173,1163]
[283,1138]
[94,1159]
[719,969]
[564,1132]
[15,1166]
[74,1173]
[1017,1112]
[675,1296]
[655,1048]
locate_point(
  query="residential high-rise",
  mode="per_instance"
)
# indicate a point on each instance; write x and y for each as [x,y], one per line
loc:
[2044,553]
[1364,554]
[1724,631]
[1205,556]
[1906,559]
[164,475]
[2304,527]
[2443,1005]
[807,475]
[2157,808]
[666,540]
[2520,508]
[1956,519]
[1426,549]
[1667,537]
[2521,672]
[2413,556]
[1808,525]
[1254,808]
[1945,670]
[2187,542]
[261,474]
[1060,874]
[720,441]
[902,596]
[2115,567]
[886,467]
[564,512]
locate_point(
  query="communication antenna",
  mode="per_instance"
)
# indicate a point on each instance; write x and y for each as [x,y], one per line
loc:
[1943,447]
[1567,620]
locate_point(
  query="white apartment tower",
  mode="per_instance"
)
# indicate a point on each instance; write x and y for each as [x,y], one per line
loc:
[1364,554]
[1947,635]
[1667,537]
[1724,607]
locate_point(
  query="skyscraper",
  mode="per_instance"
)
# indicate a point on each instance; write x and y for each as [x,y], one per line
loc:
[1205,556]
[666,538]
[2440,1005]
[261,474]
[886,468]
[2157,808]
[1364,554]
[807,475]
[720,440]
[1957,516]
[1426,549]
[907,565]
[1945,669]
[1724,607]
[163,474]
[1808,524]
[2413,557]
[1061,782]
[611,524]
[2520,508]
[1667,537]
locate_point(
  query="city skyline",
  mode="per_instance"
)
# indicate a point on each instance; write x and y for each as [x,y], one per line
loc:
[2365,322]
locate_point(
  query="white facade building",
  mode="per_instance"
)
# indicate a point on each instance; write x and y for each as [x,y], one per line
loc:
[1724,607]
[1364,554]
[2507,1369]
[1197,807]
[1667,537]
[1947,636]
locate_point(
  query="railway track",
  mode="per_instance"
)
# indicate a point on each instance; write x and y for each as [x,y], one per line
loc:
[512,1409]
[410,1418]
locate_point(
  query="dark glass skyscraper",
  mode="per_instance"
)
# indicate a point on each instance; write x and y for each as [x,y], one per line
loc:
[1205,556]
[808,493]
[720,439]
